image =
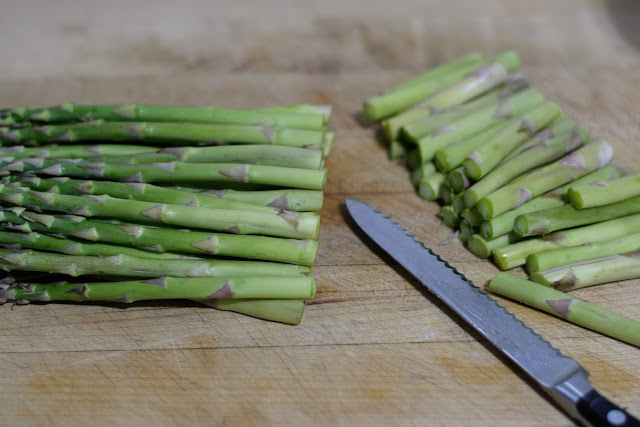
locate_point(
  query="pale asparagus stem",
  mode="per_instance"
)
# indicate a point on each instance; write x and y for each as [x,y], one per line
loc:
[543,152]
[477,122]
[289,199]
[567,307]
[483,248]
[313,118]
[137,191]
[449,217]
[550,220]
[290,224]
[287,311]
[592,156]
[557,127]
[590,273]
[452,156]
[165,133]
[503,223]
[601,193]
[481,161]
[424,170]
[327,144]
[420,127]
[548,260]
[515,255]
[458,180]
[172,172]
[63,245]
[159,239]
[162,288]
[410,93]
[430,186]
[75,151]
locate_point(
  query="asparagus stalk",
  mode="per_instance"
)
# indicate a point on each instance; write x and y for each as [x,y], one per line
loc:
[75,151]
[447,195]
[516,254]
[543,152]
[396,149]
[503,223]
[458,180]
[567,307]
[289,199]
[287,224]
[166,113]
[327,143]
[305,179]
[165,288]
[592,156]
[412,92]
[601,193]
[466,231]
[481,161]
[472,216]
[158,239]
[137,191]
[483,248]
[477,121]
[430,186]
[278,310]
[458,204]
[549,220]
[449,217]
[422,171]
[164,133]
[557,127]
[551,259]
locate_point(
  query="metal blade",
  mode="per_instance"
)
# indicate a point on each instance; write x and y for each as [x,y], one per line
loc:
[562,377]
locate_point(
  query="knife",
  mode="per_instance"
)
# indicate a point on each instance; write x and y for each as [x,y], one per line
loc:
[561,377]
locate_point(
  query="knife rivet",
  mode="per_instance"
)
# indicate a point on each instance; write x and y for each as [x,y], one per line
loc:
[616,417]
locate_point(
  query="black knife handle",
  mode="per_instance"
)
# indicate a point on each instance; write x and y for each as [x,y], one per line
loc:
[600,412]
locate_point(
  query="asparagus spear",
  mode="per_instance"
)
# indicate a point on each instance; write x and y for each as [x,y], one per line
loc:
[165,288]
[592,156]
[278,310]
[557,127]
[481,161]
[430,186]
[503,223]
[173,172]
[412,92]
[567,307]
[164,133]
[483,248]
[549,220]
[160,239]
[287,224]
[466,231]
[601,193]
[472,216]
[458,204]
[449,217]
[137,191]
[548,260]
[289,199]
[516,254]
[543,152]
[447,195]
[75,151]
[458,180]
[396,149]
[477,121]
[166,113]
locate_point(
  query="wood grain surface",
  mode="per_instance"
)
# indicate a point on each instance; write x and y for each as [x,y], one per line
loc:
[373,347]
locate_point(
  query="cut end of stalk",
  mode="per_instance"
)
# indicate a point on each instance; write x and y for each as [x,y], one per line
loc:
[509,59]
[575,198]
[476,246]
[472,168]
[532,264]
[442,162]
[470,198]
[485,208]
[539,278]
[369,110]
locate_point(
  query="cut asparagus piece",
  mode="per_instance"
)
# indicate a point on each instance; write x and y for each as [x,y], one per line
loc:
[424,170]
[516,254]
[592,156]
[503,223]
[172,172]
[165,288]
[128,266]
[449,217]
[567,307]
[483,248]
[539,154]
[458,180]
[288,224]
[557,127]
[601,193]
[472,216]
[551,259]
[412,92]
[481,161]
[396,149]
[278,310]
[75,151]
[430,186]
[164,133]
[478,121]
[301,252]
[466,231]
[549,220]
[167,113]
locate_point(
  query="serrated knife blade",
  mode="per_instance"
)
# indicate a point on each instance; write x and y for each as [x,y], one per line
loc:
[561,377]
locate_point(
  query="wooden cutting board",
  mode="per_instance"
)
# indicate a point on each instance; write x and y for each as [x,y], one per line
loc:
[373,347]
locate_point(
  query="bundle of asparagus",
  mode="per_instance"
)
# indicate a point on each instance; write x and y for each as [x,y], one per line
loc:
[520,182]
[141,201]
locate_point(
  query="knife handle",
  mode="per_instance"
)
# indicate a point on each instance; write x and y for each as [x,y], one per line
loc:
[598,411]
